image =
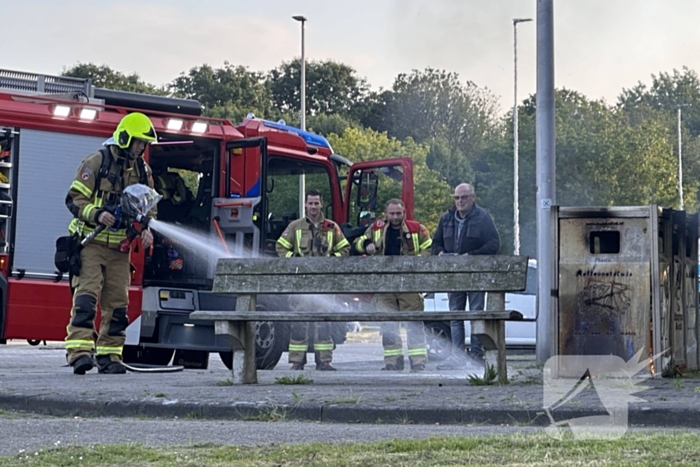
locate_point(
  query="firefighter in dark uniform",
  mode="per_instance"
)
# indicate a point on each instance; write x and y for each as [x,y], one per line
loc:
[397,236]
[105,273]
[312,235]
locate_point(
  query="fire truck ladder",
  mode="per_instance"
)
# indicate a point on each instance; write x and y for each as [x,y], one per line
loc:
[8,149]
[32,83]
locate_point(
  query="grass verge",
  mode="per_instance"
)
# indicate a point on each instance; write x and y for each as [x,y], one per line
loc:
[667,449]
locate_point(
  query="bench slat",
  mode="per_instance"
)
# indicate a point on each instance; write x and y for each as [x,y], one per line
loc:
[377,282]
[357,265]
[382,274]
[367,316]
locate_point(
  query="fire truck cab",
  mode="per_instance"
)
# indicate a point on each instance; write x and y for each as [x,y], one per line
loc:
[227,190]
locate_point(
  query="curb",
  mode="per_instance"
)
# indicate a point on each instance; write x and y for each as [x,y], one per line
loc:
[333,413]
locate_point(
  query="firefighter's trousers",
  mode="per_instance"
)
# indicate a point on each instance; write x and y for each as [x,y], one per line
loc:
[391,339]
[104,276]
[299,338]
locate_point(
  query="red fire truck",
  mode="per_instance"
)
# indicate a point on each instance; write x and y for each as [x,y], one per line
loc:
[240,184]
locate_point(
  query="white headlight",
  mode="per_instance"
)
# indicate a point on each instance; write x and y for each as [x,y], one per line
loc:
[174,124]
[61,111]
[199,127]
[88,114]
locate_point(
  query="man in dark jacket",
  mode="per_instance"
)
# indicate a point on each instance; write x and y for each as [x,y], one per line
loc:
[466,229]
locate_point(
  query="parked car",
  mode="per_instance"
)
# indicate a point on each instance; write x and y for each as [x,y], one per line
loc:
[520,335]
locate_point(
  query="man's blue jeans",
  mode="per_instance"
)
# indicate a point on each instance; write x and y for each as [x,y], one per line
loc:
[458,302]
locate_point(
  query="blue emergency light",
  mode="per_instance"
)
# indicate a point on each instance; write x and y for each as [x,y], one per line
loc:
[310,138]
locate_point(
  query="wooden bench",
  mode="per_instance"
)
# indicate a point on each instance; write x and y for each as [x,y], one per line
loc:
[366,275]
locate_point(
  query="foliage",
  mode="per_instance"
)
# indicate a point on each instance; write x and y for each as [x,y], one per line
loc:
[489,378]
[299,379]
[330,124]
[432,193]
[604,158]
[660,103]
[228,92]
[103,76]
[666,92]
[434,107]
[331,87]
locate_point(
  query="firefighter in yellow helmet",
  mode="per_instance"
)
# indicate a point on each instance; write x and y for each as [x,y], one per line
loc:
[312,235]
[102,274]
[395,235]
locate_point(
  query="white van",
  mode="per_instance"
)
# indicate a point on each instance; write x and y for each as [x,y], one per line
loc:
[518,334]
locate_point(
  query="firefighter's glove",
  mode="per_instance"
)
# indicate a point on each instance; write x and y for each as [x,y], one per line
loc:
[146,238]
[106,218]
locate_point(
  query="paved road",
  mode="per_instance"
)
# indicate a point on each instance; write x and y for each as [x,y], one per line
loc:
[35,379]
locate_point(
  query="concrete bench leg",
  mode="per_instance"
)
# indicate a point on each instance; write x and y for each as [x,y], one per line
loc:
[241,337]
[492,335]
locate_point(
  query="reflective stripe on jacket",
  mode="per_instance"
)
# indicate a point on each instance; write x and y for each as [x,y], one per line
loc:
[415,239]
[302,238]
[86,202]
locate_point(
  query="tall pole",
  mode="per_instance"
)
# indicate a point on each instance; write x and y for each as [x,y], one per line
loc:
[303,77]
[302,105]
[546,182]
[680,159]
[516,206]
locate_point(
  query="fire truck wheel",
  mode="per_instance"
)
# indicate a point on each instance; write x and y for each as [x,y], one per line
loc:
[271,341]
[437,335]
[147,356]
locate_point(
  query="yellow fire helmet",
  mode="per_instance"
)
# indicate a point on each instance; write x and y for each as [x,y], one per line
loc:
[135,125]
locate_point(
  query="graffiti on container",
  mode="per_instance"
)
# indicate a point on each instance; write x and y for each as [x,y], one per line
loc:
[600,300]
[600,326]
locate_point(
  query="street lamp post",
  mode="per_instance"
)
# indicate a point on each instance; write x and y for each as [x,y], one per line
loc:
[302,105]
[302,20]
[516,207]
[680,159]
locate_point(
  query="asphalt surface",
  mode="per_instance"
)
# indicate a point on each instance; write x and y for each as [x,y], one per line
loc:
[28,434]
[36,380]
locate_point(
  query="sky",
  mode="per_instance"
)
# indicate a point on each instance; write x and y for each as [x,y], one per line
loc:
[601,46]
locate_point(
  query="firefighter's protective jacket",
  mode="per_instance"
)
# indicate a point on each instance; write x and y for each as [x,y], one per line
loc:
[415,239]
[86,202]
[303,238]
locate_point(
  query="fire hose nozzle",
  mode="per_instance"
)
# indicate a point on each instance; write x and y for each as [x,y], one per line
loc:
[88,238]
[143,220]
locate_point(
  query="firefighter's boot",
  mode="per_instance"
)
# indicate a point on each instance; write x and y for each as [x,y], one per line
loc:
[82,365]
[398,366]
[325,366]
[107,366]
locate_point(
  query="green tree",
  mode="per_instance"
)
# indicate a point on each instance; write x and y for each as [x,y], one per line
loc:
[331,87]
[325,125]
[603,158]
[228,92]
[666,92]
[103,76]
[432,195]
[660,102]
[434,107]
